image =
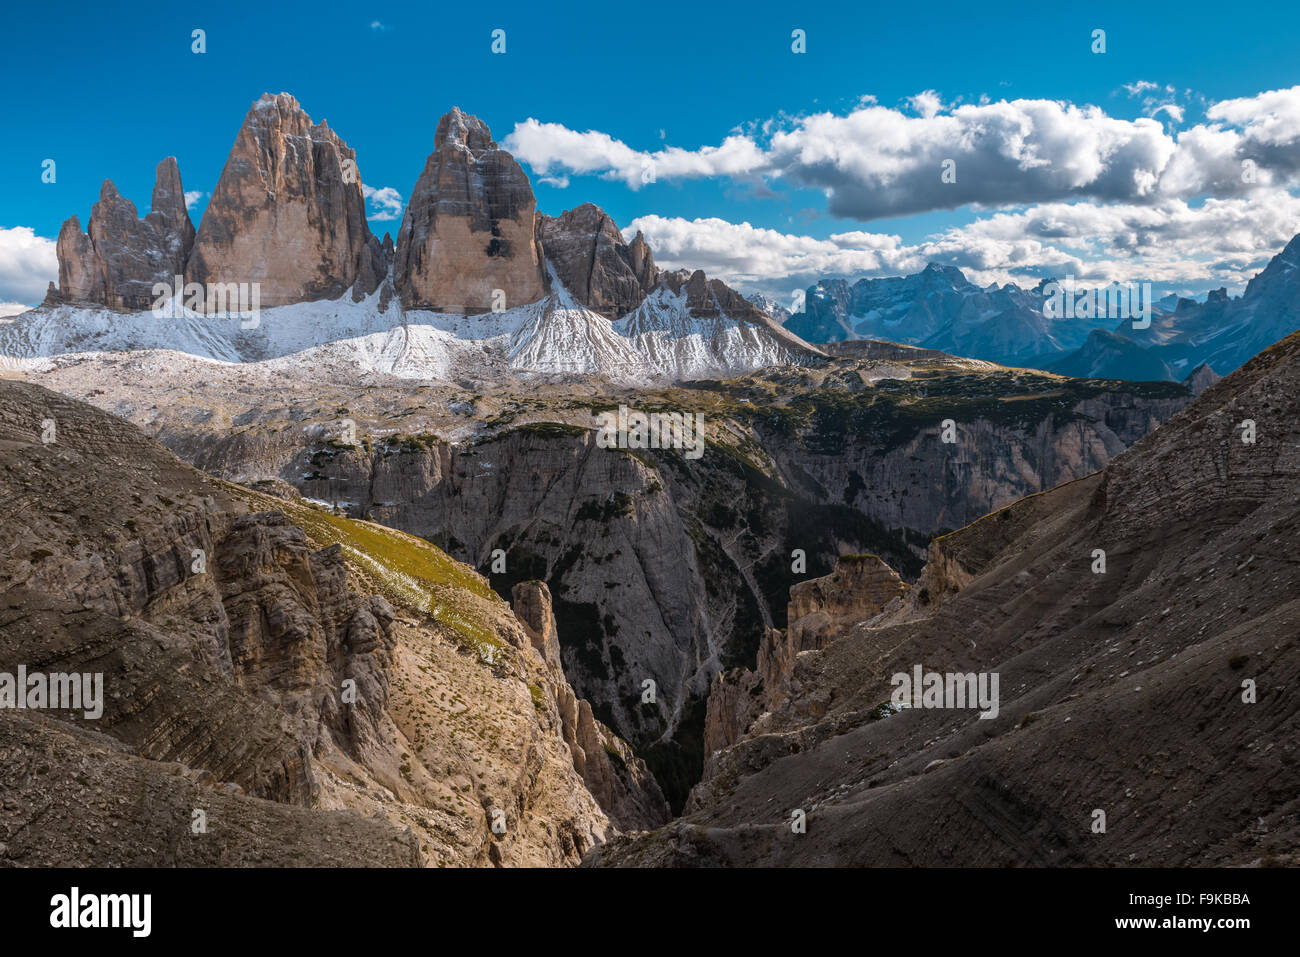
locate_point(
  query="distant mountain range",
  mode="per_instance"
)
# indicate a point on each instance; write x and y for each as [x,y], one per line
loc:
[938,308]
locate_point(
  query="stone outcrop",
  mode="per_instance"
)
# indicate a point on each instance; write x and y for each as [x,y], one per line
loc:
[469,227]
[824,609]
[700,554]
[712,298]
[288,212]
[589,256]
[1201,378]
[821,610]
[117,262]
[616,777]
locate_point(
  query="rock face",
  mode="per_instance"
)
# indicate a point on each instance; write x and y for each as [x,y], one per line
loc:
[689,314]
[939,308]
[1110,355]
[587,252]
[330,692]
[469,228]
[1128,691]
[1201,378]
[616,777]
[117,263]
[779,313]
[710,298]
[824,609]
[821,610]
[288,212]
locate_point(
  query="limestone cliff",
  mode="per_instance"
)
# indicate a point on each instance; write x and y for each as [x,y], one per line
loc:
[671,570]
[288,212]
[469,227]
[616,777]
[117,262]
[587,252]
[821,610]
[1138,623]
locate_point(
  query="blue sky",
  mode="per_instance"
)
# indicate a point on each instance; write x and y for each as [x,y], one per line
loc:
[107,93]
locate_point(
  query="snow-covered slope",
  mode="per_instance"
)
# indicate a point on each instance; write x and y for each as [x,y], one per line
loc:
[670,337]
[556,335]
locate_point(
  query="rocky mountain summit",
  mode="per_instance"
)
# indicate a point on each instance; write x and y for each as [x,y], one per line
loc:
[1224,332]
[587,251]
[469,227]
[121,257]
[1110,355]
[1201,378]
[288,212]
[1146,659]
[938,308]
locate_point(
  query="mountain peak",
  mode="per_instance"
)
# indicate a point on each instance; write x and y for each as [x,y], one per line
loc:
[458,128]
[590,257]
[120,257]
[469,231]
[287,212]
[1283,270]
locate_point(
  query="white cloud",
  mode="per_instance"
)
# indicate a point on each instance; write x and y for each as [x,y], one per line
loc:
[385,203]
[28,264]
[927,104]
[550,148]
[192,198]
[1176,245]
[1140,87]
[12,309]
[878,161]
[1270,119]
[1172,110]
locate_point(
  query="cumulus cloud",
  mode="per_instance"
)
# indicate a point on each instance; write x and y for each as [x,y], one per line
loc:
[1177,245]
[551,148]
[192,198]
[385,203]
[878,161]
[28,264]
